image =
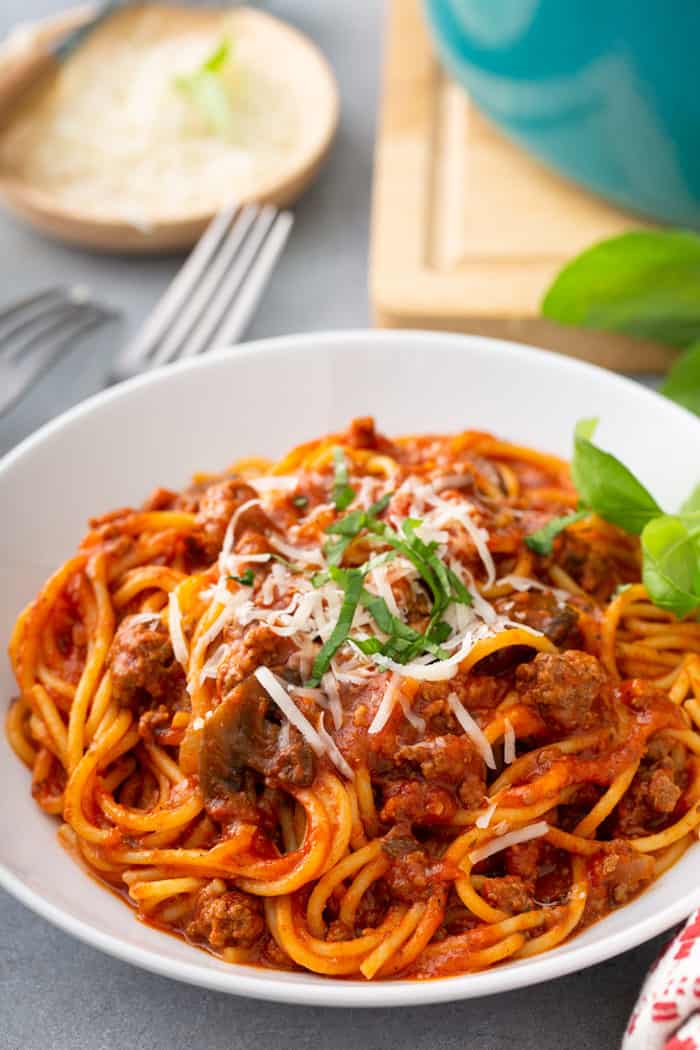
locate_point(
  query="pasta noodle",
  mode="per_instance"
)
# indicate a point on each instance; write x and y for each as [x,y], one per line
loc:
[512,747]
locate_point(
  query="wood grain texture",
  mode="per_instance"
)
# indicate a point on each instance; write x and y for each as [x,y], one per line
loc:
[468,230]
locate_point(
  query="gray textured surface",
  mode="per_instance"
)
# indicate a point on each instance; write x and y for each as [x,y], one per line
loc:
[56,993]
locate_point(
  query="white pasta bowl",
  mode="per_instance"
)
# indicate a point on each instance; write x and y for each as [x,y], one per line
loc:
[262,399]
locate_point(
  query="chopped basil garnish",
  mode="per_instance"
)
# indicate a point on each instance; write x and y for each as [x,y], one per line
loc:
[343,494]
[403,643]
[542,541]
[287,564]
[301,501]
[353,589]
[246,578]
[346,529]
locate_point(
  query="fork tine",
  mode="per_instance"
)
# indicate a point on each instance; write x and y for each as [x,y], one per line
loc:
[17,374]
[135,354]
[202,295]
[201,335]
[33,326]
[236,321]
[50,294]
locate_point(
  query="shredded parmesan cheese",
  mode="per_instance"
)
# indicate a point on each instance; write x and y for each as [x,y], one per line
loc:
[473,731]
[331,690]
[112,136]
[524,583]
[146,617]
[211,667]
[386,706]
[511,838]
[177,636]
[230,534]
[460,513]
[274,483]
[441,670]
[380,579]
[484,819]
[303,555]
[333,751]
[276,691]
[508,743]
[411,717]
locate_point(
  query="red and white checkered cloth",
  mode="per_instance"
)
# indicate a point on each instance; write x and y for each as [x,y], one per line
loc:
[667,1014]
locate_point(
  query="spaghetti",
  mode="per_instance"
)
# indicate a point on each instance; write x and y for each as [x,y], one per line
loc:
[334,713]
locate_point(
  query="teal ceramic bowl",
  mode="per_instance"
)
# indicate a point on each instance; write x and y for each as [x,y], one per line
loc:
[605,91]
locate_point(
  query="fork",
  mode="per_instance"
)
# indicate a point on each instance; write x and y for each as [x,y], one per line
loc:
[212,298]
[37,330]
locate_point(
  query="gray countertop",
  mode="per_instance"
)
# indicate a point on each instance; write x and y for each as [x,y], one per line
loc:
[58,993]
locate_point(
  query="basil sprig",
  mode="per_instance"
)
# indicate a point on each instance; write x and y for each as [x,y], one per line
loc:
[671,567]
[645,283]
[682,384]
[670,542]
[607,486]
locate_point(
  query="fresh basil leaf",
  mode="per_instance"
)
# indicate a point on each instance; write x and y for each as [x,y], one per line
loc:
[335,549]
[606,486]
[645,283]
[343,493]
[692,504]
[542,540]
[381,504]
[353,589]
[442,631]
[357,520]
[376,561]
[219,57]
[351,525]
[671,573]
[410,548]
[368,646]
[586,428]
[403,642]
[682,384]
[459,592]
[378,610]
[207,91]
[347,528]
[247,578]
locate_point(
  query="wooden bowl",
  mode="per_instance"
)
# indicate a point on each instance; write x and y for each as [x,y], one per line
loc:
[306,71]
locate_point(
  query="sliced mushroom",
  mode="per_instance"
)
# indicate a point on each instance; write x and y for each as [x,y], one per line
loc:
[244,733]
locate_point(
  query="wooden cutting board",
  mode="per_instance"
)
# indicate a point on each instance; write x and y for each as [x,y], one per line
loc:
[467,229]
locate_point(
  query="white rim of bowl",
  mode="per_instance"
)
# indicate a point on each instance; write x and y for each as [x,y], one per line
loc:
[309,989]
